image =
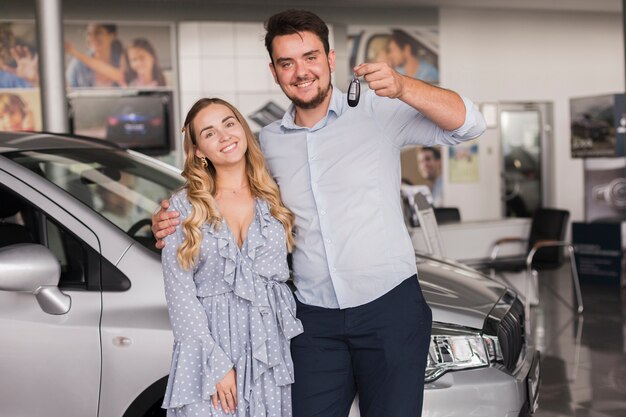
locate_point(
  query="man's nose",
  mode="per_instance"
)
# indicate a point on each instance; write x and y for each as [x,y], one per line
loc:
[301,69]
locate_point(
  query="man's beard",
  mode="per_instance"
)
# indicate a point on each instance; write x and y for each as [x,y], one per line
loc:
[314,102]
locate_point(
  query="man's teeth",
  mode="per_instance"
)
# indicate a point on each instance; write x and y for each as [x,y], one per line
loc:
[304,85]
[229,147]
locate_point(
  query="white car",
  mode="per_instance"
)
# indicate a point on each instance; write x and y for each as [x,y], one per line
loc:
[85,329]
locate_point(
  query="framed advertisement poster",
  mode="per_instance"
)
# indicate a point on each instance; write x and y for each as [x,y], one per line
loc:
[598,126]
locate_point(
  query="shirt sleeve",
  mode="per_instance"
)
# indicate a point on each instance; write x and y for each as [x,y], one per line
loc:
[403,125]
[197,360]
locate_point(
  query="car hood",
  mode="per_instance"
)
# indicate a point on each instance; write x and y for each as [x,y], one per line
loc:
[457,294]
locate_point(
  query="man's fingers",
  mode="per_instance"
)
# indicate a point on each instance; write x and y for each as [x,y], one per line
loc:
[165,204]
[159,244]
[164,232]
[166,215]
[364,69]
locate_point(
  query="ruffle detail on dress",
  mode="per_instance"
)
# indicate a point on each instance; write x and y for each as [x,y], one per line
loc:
[237,274]
[264,216]
[278,313]
[200,353]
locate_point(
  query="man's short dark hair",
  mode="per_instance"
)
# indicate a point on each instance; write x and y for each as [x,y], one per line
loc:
[294,21]
[436,152]
[401,38]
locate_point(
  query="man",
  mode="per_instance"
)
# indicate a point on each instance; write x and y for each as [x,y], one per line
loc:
[403,53]
[429,165]
[365,319]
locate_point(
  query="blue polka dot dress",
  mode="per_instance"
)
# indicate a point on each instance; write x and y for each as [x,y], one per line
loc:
[233,309]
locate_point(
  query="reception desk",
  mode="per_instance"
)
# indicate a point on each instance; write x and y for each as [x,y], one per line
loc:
[471,242]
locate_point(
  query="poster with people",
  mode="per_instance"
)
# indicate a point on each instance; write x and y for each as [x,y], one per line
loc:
[20,108]
[463,163]
[413,51]
[112,55]
[120,79]
[423,166]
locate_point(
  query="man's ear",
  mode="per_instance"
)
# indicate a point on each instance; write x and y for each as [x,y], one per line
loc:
[273,70]
[331,60]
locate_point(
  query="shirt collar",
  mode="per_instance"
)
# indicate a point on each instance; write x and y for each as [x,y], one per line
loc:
[335,108]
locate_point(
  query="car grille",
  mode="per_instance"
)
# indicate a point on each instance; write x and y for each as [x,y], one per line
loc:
[506,321]
[511,335]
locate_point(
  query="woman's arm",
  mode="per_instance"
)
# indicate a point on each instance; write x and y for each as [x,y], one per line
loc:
[102,68]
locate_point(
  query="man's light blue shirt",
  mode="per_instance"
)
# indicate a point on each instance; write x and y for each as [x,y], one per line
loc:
[341,179]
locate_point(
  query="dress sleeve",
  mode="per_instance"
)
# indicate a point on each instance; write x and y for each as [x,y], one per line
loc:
[198,363]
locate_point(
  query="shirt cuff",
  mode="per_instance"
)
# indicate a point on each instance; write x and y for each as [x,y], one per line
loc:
[474,124]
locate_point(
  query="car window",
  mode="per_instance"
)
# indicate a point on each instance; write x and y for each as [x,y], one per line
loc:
[123,187]
[21,222]
[375,50]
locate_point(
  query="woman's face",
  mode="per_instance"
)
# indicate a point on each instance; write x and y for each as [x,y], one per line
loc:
[220,136]
[141,61]
[99,39]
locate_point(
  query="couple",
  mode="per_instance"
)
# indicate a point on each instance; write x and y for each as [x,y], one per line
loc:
[366,324]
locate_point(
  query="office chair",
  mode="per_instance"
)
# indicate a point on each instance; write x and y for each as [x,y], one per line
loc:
[428,224]
[447,215]
[544,250]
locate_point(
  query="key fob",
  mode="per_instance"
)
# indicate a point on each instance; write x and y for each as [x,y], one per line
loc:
[354,92]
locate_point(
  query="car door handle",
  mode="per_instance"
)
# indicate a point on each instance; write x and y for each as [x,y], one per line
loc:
[122,341]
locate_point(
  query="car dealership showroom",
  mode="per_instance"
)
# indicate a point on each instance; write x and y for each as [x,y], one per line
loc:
[481,143]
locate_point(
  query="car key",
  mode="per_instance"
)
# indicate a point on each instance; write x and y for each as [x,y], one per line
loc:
[354,92]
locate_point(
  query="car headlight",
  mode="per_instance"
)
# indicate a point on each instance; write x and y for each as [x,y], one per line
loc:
[456,348]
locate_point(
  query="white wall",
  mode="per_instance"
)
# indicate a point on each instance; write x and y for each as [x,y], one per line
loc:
[508,55]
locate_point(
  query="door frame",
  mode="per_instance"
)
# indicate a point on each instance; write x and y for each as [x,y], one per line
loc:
[546,152]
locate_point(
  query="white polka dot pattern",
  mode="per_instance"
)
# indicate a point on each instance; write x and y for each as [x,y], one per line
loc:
[233,310]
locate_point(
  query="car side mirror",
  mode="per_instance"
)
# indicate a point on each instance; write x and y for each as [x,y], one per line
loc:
[33,269]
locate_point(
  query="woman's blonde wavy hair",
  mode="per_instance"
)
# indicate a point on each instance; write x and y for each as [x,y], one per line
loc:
[201,187]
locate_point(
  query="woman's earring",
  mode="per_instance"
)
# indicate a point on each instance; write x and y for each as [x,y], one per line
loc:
[205,162]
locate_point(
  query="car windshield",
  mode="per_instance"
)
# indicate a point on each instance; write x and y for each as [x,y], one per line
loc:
[124,187]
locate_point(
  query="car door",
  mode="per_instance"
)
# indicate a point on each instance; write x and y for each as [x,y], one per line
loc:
[50,364]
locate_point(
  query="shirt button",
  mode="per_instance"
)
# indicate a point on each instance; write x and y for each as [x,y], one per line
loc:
[323,212]
[312,158]
[329,241]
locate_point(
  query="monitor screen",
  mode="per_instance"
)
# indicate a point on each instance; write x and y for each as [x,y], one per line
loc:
[139,121]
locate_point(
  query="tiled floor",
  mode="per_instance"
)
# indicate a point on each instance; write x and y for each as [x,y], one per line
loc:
[584,356]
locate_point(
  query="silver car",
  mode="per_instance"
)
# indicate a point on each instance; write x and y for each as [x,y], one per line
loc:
[85,330]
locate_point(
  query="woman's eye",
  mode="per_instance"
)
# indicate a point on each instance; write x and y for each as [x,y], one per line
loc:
[230,124]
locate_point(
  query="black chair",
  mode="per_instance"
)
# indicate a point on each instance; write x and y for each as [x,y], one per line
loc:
[447,215]
[544,250]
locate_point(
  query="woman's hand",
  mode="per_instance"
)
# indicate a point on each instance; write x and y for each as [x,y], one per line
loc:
[226,392]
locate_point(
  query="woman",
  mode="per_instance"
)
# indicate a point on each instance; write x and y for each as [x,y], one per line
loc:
[15,114]
[225,269]
[104,65]
[144,66]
